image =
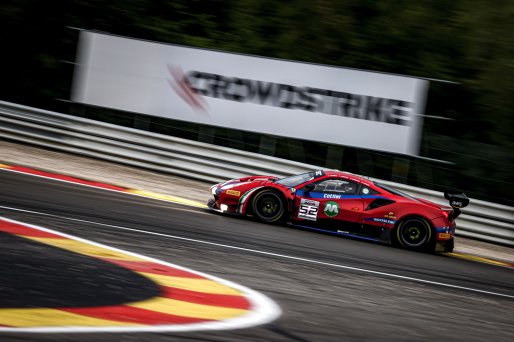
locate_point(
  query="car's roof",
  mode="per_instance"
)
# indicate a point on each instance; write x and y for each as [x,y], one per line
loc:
[348,175]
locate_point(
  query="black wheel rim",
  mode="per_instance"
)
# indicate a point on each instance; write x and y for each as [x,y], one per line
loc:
[414,233]
[269,206]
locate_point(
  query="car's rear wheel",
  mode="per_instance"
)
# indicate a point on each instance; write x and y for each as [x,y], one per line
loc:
[268,206]
[414,233]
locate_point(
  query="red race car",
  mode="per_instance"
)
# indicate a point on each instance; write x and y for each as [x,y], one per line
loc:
[344,204]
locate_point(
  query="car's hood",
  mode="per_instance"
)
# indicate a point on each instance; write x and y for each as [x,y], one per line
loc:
[246,182]
[258,178]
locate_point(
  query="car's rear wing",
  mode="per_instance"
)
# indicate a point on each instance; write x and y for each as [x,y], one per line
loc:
[457,199]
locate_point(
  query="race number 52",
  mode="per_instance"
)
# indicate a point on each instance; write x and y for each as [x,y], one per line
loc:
[308,209]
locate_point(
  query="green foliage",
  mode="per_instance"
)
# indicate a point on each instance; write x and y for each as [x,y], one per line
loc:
[470,42]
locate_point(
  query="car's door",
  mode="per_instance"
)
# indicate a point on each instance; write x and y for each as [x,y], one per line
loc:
[330,199]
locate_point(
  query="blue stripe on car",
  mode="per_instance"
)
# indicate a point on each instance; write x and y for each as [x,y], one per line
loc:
[322,195]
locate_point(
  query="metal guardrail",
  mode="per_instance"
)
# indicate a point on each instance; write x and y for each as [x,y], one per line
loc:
[480,220]
[158,152]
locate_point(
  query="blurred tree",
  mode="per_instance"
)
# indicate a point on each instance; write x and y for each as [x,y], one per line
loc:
[466,41]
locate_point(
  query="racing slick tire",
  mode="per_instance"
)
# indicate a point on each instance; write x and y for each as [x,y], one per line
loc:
[268,206]
[415,233]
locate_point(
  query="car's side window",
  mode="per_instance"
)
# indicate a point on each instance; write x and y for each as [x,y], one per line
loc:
[336,186]
[368,191]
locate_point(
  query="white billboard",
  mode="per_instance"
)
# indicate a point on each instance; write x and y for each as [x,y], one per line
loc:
[299,100]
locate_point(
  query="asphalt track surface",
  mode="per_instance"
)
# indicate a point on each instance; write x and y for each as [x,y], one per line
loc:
[329,288]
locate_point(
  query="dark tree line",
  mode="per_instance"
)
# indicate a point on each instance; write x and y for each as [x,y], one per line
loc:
[469,42]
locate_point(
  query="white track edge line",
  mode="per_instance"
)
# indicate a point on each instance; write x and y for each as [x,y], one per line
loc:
[284,256]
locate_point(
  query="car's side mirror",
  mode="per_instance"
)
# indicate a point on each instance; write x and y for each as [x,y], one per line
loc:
[309,187]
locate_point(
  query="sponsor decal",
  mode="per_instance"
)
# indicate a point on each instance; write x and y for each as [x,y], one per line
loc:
[262,95]
[308,209]
[326,101]
[456,204]
[293,190]
[332,196]
[381,220]
[319,173]
[233,193]
[390,215]
[313,194]
[444,235]
[331,209]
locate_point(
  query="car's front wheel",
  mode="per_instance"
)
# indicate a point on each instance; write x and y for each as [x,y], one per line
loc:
[414,233]
[268,206]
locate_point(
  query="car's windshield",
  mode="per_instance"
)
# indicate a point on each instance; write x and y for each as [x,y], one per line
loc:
[393,190]
[296,180]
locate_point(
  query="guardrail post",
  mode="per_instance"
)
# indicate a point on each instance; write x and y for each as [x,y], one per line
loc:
[206,134]
[424,173]
[334,157]
[400,170]
[295,150]
[141,123]
[77,110]
[267,145]
[365,162]
[236,140]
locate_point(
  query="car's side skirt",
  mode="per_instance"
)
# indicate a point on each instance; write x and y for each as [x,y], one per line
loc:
[359,231]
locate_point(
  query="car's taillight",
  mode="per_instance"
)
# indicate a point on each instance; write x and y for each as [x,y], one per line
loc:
[448,214]
[452,215]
